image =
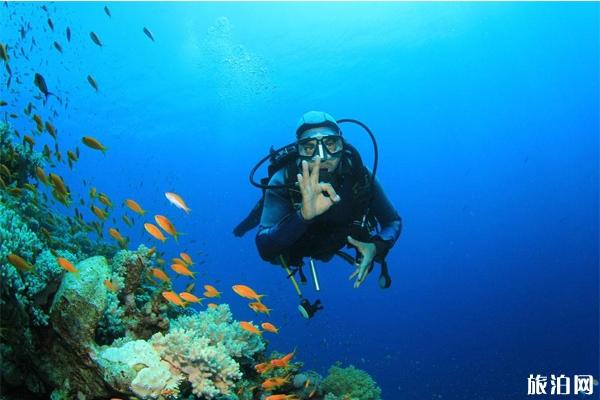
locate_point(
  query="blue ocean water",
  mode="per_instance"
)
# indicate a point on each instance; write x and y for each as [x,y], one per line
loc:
[487,120]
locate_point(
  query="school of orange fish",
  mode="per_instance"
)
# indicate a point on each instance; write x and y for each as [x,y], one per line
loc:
[159,228]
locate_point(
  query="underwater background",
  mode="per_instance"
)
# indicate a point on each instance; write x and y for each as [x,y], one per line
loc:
[487,121]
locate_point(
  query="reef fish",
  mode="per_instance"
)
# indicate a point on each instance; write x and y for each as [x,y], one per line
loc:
[283,361]
[58,47]
[93,143]
[247,326]
[154,231]
[38,123]
[59,184]
[41,175]
[259,308]
[104,199]
[269,327]
[40,82]
[115,234]
[127,221]
[211,291]
[3,52]
[247,292]
[173,298]
[160,274]
[50,128]
[19,262]
[99,212]
[282,397]
[66,265]
[68,34]
[177,201]
[190,298]
[182,270]
[107,11]
[167,225]
[148,33]
[186,258]
[110,285]
[274,383]
[92,82]
[95,39]
[135,207]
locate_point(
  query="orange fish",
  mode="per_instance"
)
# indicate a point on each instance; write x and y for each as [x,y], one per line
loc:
[274,383]
[185,257]
[259,307]
[93,143]
[282,397]
[135,207]
[99,213]
[66,265]
[211,291]
[283,361]
[173,298]
[182,270]
[269,327]
[160,274]
[19,262]
[247,326]
[263,368]
[151,251]
[154,231]
[116,235]
[190,298]
[38,122]
[178,261]
[59,184]
[41,175]
[247,292]
[104,199]
[177,201]
[111,286]
[167,225]
[212,305]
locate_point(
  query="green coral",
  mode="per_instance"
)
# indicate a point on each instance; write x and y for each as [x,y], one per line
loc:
[32,290]
[350,383]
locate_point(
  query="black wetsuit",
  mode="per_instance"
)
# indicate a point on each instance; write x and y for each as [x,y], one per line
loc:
[283,231]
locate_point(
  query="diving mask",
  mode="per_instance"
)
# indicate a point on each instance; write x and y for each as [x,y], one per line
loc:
[324,146]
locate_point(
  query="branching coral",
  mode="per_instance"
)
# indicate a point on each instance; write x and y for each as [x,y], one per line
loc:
[202,349]
[209,369]
[216,325]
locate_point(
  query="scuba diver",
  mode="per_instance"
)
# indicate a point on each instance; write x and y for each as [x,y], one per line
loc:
[319,197]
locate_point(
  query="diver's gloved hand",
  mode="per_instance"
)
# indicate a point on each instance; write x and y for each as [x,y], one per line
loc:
[368,252]
[314,201]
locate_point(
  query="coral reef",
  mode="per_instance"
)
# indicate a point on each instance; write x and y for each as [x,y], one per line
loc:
[350,383]
[204,350]
[104,329]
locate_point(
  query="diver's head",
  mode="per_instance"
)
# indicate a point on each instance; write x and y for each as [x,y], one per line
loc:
[318,135]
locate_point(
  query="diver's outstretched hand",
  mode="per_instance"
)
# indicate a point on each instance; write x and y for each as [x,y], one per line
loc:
[367,251]
[314,202]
